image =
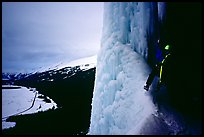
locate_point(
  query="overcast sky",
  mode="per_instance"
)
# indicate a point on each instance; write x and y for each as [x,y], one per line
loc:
[42,33]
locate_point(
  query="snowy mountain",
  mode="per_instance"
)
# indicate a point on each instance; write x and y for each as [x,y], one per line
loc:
[84,63]
[62,77]
[13,76]
[65,67]
[129,48]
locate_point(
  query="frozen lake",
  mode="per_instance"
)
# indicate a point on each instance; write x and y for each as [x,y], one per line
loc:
[19,100]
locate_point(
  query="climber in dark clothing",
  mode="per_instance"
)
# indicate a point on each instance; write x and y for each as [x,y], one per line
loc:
[159,70]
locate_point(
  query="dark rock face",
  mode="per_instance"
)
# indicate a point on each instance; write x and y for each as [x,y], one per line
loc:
[182,96]
[183,27]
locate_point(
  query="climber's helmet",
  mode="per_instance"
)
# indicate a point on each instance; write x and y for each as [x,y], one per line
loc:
[167,47]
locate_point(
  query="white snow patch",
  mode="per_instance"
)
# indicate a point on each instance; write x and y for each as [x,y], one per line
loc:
[15,101]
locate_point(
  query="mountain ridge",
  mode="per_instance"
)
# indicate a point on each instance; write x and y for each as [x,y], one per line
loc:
[82,63]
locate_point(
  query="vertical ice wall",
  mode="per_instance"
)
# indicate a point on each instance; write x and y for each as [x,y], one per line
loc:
[136,23]
[130,32]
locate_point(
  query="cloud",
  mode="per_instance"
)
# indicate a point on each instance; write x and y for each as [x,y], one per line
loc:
[33,33]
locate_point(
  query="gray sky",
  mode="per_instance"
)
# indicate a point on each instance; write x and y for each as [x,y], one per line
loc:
[36,34]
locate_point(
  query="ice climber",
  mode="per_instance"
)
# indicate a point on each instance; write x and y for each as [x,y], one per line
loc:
[159,70]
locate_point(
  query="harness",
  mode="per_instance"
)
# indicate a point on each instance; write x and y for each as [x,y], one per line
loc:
[160,74]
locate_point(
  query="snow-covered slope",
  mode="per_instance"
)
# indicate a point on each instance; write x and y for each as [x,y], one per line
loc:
[84,63]
[65,67]
[19,102]
[119,104]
